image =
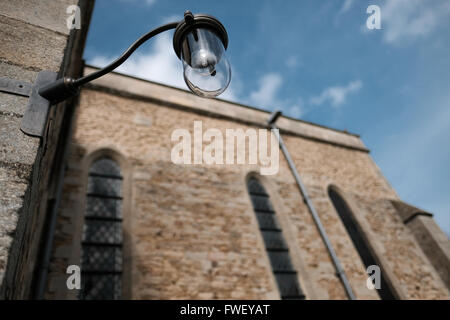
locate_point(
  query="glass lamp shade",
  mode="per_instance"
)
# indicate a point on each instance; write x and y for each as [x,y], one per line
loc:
[206,68]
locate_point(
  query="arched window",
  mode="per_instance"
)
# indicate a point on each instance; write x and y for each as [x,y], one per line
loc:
[101,259]
[276,246]
[359,241]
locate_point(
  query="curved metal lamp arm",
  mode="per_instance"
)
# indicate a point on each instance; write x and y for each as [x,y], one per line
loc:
[126,54]
[65,87]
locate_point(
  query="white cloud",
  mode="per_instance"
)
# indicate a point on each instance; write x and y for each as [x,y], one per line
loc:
[296,110]
[336,95]
[160,64]
[266,94]
[408,19]
[346,6]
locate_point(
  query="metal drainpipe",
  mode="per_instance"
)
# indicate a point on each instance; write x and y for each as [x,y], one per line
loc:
[339,271]
[48,244]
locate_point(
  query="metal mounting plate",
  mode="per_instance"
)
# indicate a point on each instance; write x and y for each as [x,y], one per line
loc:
[35,118]
[20,88]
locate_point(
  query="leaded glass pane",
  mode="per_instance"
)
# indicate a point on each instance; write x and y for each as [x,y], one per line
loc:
[261,203]
[104,186]
[102,233]
[101,287]
[280,260]
[103,207]
[105,166]
[101,259]
[255,187]
[267,221]
[274,240]
[288,285]
[360,243]
[275,244]
[99,231]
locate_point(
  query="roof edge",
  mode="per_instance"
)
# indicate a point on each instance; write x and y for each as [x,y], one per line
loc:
[231,102]
[121,82]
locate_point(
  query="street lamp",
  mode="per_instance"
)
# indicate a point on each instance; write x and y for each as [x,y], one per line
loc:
[199,42]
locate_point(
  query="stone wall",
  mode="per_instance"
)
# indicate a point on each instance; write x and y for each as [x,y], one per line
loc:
[432,239]
[190,230]
[34,37]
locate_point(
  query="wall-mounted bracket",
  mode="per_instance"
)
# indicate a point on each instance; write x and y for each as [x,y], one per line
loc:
[35,117]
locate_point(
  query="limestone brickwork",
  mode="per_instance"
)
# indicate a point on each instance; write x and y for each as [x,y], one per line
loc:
[34,37]
[190,231]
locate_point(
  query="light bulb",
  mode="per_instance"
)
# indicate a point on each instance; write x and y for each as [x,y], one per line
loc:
[207,71]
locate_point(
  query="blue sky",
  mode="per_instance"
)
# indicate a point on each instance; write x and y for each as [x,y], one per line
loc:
[317,60]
